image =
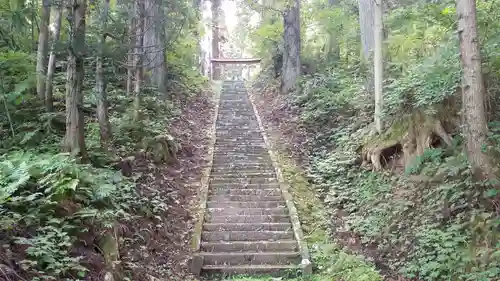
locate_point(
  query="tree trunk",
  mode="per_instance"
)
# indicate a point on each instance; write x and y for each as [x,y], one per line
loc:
[102,101]
[367,23]
[333,48]
[49,103]
[378,65]
[130,55]
[74,140]
[154,42]
[291,48]
[474,126]
[139,70]
[43,42]
[216,15]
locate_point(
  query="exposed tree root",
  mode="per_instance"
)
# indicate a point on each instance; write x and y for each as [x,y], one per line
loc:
[404,141]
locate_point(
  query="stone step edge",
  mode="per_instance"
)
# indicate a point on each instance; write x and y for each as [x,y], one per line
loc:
[269,269]
[260,245]
[293,213]
[238,226]
[195,266]
[234,258]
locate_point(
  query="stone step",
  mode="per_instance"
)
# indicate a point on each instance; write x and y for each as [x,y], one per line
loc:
[244,198]
[265,170]
[235,125]
[245,185]
[242,140]
[215,236]
[237,130]
[250,246]
[276,226]
[220,164]
[239,258]
[243,191]
[242,174]
[251,168]
[241,146]
[240,166]
[243,204]
[242,180]
[241,157]
[241,154]
[247,211]
[246,218]
[240,111]
[254,136]
[220,161]
[222,135]
[248,269]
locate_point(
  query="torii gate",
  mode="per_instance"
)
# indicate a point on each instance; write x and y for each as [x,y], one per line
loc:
[217,62]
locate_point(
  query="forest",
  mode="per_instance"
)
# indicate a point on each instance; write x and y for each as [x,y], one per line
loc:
[384,114]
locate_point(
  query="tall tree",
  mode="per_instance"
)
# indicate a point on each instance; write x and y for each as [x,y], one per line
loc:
[52,59]
[291,47]
[475,126]
[154,41]
[102,101]
[43,42]
[216,19]
[378,63]
[139,57]
[366,24]
[332,45]
[130,54]
[74,140]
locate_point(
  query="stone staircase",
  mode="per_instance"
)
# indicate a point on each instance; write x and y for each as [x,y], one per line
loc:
[245,225]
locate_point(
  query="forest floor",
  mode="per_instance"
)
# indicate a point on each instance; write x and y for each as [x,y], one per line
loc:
[163,252]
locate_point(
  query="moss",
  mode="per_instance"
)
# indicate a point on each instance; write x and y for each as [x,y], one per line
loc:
[312,216]
[331,262]
[391,136]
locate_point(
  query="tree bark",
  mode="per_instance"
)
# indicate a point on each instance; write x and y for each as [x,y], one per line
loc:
[43,42]
[102,101]
[130,55]
[49,103]
[216,18]
[154,42]
[291,48]
[474,126]
[139,70]
[366,23]
[74,140]
[378,65]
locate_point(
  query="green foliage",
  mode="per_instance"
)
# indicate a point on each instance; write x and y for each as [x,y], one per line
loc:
[432,221]
[426,83]
[52,205]
[434,232]
[58,199]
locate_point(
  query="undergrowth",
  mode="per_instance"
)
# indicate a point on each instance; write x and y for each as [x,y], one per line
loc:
[430,220]
[55,208]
